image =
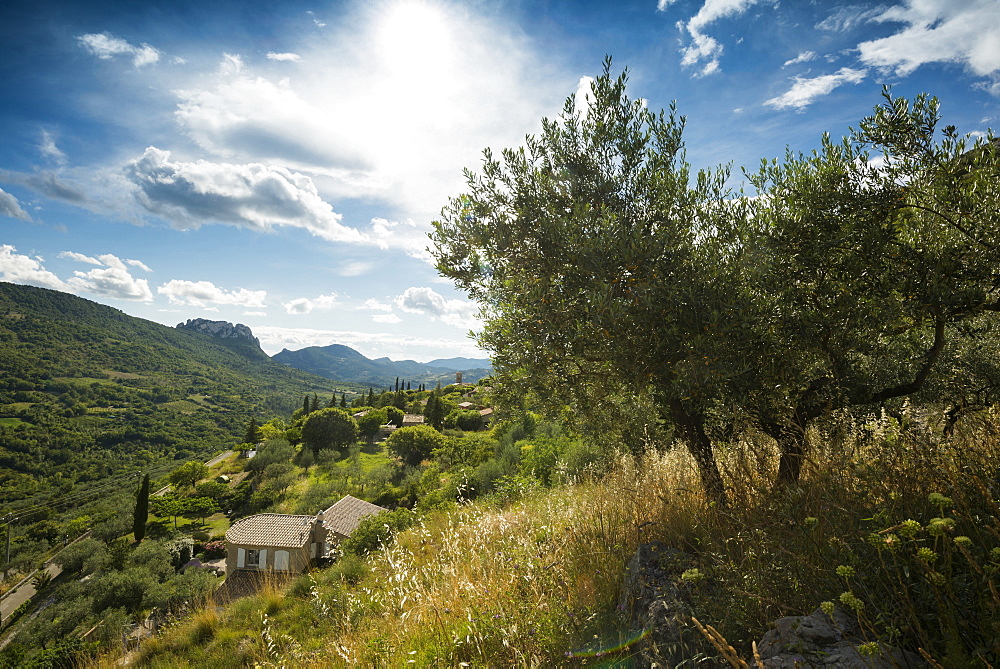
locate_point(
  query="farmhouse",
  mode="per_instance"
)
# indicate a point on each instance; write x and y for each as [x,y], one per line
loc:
[277,541]
[289,543]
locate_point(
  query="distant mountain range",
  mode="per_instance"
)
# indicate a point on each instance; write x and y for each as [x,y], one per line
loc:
[343,363]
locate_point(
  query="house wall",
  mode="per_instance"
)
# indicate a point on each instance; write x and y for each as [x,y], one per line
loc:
[299,559]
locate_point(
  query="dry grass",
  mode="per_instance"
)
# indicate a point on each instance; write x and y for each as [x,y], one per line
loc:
[534,583]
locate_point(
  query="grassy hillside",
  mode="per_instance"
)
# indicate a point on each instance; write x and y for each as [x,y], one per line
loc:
[890,521]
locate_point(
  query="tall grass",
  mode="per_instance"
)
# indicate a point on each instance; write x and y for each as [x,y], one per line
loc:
[889,519]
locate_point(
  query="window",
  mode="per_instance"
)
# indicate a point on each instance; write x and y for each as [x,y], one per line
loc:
[253,558]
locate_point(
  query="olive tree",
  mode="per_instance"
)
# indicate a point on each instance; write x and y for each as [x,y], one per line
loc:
[602,263]
[878,267]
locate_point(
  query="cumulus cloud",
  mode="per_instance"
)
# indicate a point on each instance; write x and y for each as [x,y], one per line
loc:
[79,257]
[112,279]
[138,263]
[9,206]
[704,48]
[803,57]
[205,293]
[383,108]
[17,268]
[304,305]
[938,31]
[371,304]
[427,302]
[291,57]
[106,47]
[255,196]
[805,90]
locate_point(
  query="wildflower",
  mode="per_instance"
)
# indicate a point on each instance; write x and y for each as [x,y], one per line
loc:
[692,576]
[869,649]
[939,526]
[850,600]
[935,578]
[810,522]
[828,608]
[845,571]
[909,528]
[963,541]
[939,500]
[927,556]
[995,554]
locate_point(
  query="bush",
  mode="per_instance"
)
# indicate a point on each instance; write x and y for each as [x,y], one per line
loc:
[378,530]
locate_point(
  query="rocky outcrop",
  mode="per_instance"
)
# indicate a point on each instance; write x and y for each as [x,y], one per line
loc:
[220,329]
[655,599]
[821,640]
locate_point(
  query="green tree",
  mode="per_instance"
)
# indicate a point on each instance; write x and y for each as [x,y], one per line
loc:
[343,400]
[394,416]
[141,513]
[414,444]
[188,474]
[434,412]
[875,276]
[370,424]
[168,506]
[329,428]
[252,435]
[602,264]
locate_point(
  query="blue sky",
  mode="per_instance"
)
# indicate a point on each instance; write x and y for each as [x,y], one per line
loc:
[278,164]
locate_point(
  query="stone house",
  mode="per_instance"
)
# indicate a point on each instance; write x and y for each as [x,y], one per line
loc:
[341,519]
[274,541]
[288,543]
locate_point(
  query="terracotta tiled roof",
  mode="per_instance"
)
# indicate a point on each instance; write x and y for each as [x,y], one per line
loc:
[343,517]
[279,530]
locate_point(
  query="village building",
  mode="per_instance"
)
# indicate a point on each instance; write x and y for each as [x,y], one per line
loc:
[289,543]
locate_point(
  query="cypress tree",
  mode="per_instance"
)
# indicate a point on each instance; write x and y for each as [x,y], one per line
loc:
[141,514]
[305,405]
[343,400]
[397,385]
[315,403]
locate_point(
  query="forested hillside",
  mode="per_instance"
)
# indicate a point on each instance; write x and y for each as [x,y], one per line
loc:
[88,392]
[343,362]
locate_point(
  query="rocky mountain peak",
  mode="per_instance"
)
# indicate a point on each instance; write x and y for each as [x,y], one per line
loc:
[219,329]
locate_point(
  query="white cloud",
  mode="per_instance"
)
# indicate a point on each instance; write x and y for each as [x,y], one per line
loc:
[803,57]
[138,263]
[388,105]
[17,268]
[262,314]
[938,31]
[232,63]
[389,319]
[704,48]
[79,257]
[202,293]
[427,302]
[112,280]
[371,304]
[106,47]
[47,147]
[356,268]
[849,17]
[291,57]
[9,206]
[403,235]
[304,305]
[254,196]
[804,91]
